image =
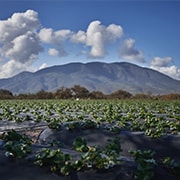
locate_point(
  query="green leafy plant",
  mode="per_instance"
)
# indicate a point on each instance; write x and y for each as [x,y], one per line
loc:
[92,157]
[16,145]
[56,160]
[113,147]
[95,158]
[80,145]
[99,158]
[145,164]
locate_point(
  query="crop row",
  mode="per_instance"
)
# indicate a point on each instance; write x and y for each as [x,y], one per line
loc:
[154,118]
[18,146]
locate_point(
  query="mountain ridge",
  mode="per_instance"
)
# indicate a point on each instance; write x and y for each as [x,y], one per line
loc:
[95,76]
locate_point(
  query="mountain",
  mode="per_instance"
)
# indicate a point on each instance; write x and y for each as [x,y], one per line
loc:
[105,77]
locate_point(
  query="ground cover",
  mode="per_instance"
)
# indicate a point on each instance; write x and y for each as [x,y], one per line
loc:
[148,133]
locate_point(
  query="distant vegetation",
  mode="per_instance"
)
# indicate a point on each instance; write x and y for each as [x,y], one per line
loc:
[79,92]
[5,94]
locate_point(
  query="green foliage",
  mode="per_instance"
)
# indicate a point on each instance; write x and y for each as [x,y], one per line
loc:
[56,160]
[154,118]
[80,145]
[92,157]
[16,145]
[145,164]
[113,147]
[96,157]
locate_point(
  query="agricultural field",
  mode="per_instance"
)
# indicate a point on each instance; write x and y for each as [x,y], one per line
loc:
[99,139]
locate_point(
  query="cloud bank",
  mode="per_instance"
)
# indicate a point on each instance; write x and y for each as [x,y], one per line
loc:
[19,42]
[22,39]
[163,65]
[96,37]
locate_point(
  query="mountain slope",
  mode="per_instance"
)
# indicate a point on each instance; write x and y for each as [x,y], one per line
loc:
[94,76]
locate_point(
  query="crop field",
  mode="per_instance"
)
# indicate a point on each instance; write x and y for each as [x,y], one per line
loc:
[154,118]
[68,136]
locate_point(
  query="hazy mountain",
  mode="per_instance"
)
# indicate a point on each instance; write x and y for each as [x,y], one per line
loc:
[94,76]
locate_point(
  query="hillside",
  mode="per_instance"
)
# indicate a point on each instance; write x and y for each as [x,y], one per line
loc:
[105,77]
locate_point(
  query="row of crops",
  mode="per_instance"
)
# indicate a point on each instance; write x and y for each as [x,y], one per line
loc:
[154,118]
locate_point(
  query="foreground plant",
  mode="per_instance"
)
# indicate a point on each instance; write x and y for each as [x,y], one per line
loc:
[56,160]
[16,145]
[91,157]
[145,164]
[96,157]
[80,145]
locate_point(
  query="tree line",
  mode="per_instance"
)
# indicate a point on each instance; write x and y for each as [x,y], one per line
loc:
[79,92]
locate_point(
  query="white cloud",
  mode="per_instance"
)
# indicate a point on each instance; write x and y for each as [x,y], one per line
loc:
[24,48]
[12,68]
[163,65]
[18,24]
[19,42]
[44,65]
[161,62]
[95,39]
[79,37]
[57,52]
[171,71]
[127,51]
[114,32]
[53,52]
[97,36]
[55,38]
[48,35]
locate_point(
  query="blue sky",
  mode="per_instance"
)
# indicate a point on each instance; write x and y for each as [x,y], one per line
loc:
[42,33]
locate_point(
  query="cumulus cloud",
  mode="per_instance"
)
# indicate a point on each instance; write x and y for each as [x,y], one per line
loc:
[19,42]
[44,65]
[171,71]
[79,37]
[97,36]
[57,52]
[13,67]
[161,62]
[55,38]
[127,51]
[18,24]
[24,48]
[53,52]
[48,35]
[164,66]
